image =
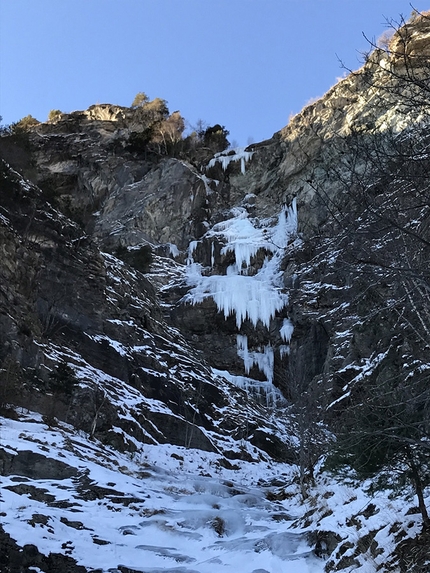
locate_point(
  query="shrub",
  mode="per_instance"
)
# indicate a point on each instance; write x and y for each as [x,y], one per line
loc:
[155,110]
[139,140]
[54,115]
[63,379]
[169,132]
[140,99]
[140,258]
[215,137]
[24,124]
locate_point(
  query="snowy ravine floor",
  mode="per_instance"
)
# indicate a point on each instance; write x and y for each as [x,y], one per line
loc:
[165,509]
[172,509]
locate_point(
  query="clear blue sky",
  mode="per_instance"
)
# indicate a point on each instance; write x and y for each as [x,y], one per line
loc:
[246,64]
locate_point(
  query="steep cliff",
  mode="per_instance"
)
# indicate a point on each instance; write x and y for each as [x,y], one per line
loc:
[245,304]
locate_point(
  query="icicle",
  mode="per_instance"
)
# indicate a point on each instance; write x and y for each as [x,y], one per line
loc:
[191,248]
[263,360]
[255,298]
[264,392]
[287,330]
[173,250]
[246,297]
[284,350]
[239,154]
[242,165]
[242,351]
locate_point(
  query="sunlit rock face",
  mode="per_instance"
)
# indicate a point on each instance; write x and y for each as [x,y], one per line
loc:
[313,152]
[164,207]
[417,40]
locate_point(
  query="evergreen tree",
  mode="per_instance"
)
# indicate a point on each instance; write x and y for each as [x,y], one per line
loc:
[62,379]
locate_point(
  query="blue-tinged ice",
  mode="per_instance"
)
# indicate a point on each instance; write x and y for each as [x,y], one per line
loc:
[287,330]
[263,359]
[226,157]
[256,298]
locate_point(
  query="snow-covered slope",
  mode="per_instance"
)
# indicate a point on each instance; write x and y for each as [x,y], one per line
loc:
[170,508]
[163,508]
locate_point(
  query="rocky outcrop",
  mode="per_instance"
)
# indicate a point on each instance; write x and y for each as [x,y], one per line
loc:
[34,465]
[120,195]
[167,206]
[63,300]
[311,157]
[16,559]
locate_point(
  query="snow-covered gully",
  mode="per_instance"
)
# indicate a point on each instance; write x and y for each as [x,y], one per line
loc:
[174,509]
[164,509]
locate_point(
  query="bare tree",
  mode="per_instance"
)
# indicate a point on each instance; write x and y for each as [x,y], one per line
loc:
[304,393]
[380,218]
[386,433]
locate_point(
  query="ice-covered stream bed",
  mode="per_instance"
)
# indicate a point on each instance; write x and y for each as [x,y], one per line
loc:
[164,509]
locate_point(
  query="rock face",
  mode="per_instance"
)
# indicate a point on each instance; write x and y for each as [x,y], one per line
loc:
[256,279]
[165,206]
[14,559]
[220,219]
[68,301]
[86,164]
[34,465]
